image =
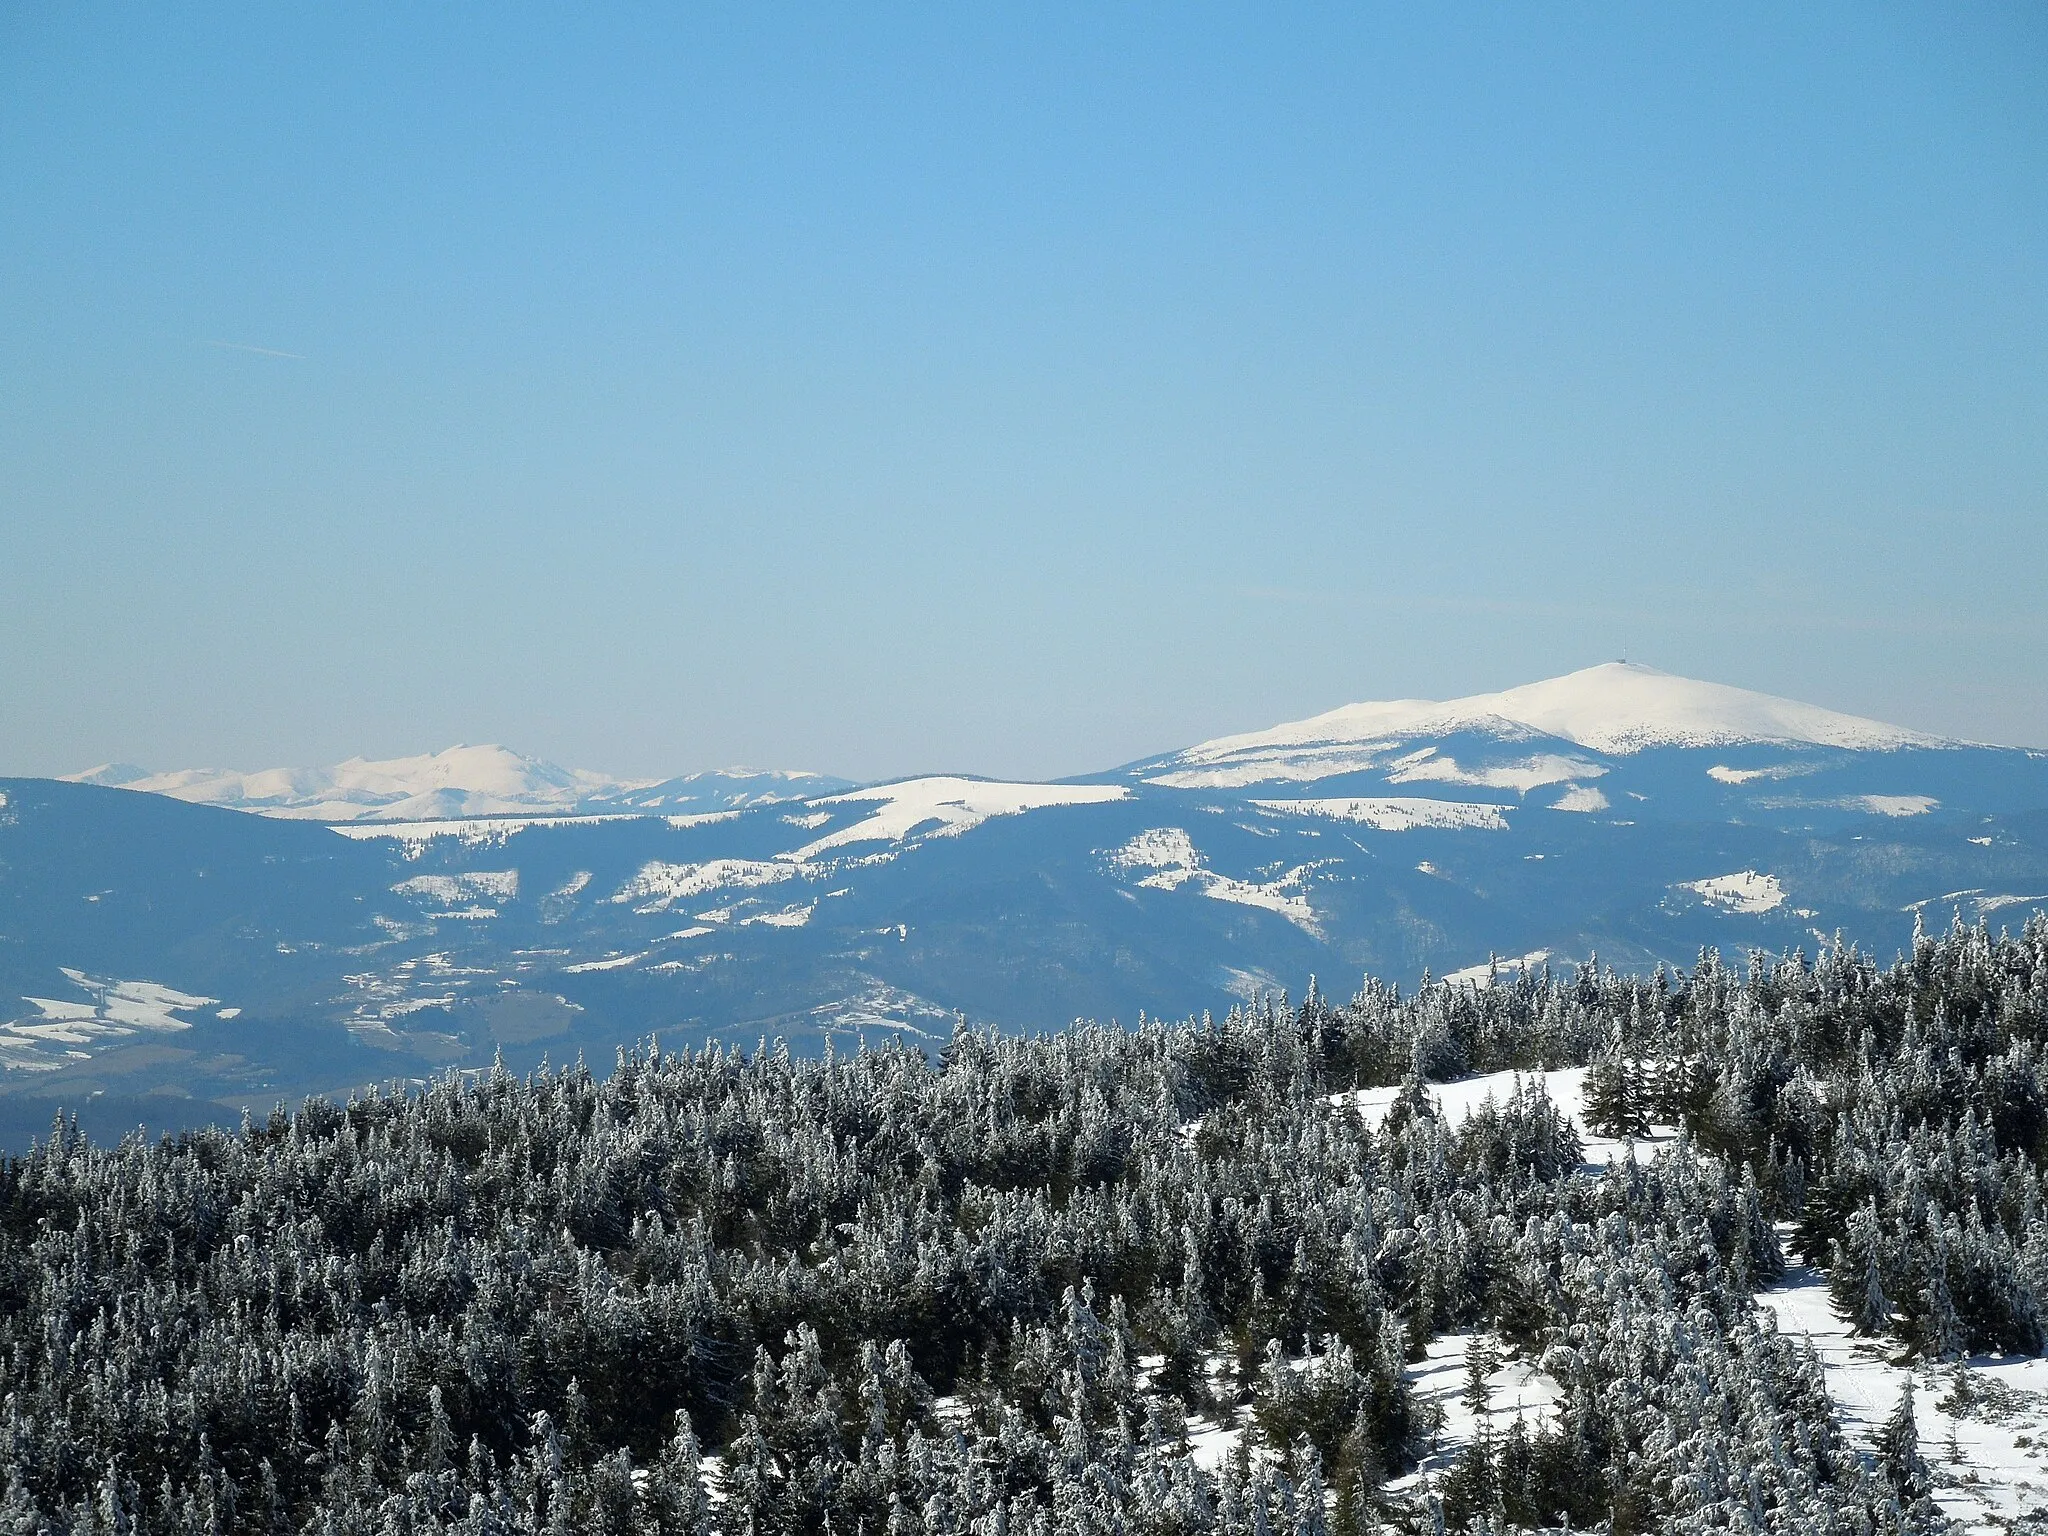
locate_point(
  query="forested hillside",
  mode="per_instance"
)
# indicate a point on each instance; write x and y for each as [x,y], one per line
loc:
[1165,1280]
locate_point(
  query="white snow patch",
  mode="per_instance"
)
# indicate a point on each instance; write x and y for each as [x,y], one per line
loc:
[792,917]
[1999,904]
[1566,1088]
[1174,860]
[1580,797]
[113,1010]
[1398,815]
[1251,985]
[879,1006]
[688,819]
[490,885]
[945,807]
[1722,773]
[1744,891]
[1522,776]
[659,886]
[491,832]
[1895,805]
[1482,975]
[1983,1476]
[612,963]
[1303,767]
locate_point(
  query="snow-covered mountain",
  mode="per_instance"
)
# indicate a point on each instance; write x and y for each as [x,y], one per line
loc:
[457,783]
[1617,709]
[478,902]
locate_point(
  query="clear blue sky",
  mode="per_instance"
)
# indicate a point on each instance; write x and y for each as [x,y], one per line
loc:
[1003,389]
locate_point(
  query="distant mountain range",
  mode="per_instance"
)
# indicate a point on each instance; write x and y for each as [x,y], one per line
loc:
[164,961]
[460,782]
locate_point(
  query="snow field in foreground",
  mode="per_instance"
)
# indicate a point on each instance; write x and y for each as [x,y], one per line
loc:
[1985,1476]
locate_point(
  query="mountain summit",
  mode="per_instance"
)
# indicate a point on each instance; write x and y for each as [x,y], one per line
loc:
[1617,707]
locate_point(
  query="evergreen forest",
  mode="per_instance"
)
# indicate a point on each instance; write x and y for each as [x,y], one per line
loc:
[997,1288]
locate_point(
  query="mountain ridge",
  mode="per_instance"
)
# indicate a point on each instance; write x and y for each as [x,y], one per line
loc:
[1615,708]
[186,960]
[457,782]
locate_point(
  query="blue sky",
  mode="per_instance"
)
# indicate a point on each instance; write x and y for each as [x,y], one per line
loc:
[1005,389]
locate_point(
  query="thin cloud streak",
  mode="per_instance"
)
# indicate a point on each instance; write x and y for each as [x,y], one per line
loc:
[243,346]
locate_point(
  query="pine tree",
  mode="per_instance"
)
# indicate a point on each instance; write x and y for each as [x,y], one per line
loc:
[1615,1093]
[1898,1451]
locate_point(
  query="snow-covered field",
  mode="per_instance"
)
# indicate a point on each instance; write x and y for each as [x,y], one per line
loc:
[944,807]
[1517,1389]
[1521,776]
[1743,891]
[1988,1447]
[1483,974]
[1565,1088]
[64,1030]
[1397,814]
[1171,860]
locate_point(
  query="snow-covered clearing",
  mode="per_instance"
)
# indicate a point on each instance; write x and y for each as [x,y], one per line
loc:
[1398,814]
[1483,974]
[1174,861]
[1896,805]
[492,885]
[1303,767]
[1516,1389]
[414,837]
[790,917]
[611,963]
[1988,1449]
[659,886]
[945,807]
[1580,797]
[1521,776]
[1743,891]
[1565,1088]
[63,1030]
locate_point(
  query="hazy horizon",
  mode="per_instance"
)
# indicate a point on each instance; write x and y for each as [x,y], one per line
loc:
[1016,394]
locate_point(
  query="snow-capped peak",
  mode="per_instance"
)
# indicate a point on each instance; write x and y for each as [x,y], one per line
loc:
[1619,707]
[1616,708]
